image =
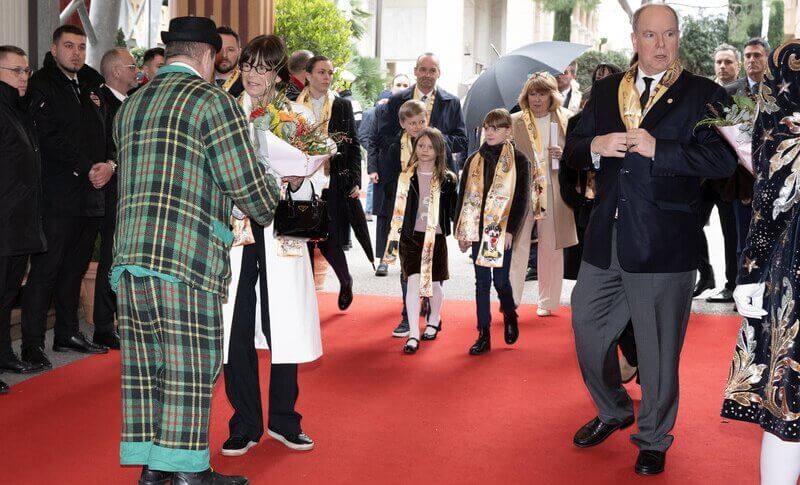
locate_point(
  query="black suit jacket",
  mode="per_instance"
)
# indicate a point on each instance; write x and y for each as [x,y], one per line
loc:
[740,185]
[110,189]
[656,199]
[345,167]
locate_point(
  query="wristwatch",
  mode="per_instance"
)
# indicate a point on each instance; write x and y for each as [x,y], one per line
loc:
[596,160]
[113,166]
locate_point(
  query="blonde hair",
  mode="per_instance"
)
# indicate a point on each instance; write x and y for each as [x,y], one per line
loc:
[541,82]
[411,108]
[497,118]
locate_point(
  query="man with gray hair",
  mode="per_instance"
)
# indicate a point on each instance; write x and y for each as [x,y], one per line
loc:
[297,70]
[638,132]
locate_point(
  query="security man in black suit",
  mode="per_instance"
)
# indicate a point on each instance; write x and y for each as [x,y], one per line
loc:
[639,132]
[226,64]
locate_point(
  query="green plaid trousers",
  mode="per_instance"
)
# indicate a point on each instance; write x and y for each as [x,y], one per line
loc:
[171,344]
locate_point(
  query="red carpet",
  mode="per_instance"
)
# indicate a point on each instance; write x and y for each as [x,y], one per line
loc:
[379,416]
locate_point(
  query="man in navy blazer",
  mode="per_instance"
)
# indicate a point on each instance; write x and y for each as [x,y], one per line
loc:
[445,115]
[641,250]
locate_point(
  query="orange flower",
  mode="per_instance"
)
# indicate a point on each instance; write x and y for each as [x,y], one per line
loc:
[284,116]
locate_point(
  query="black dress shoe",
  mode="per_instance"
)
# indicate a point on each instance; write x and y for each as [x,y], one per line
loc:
[79,343]
[724,296]
[703,285]
[345,295]
[483,344]
[37,357]
[4,388]
[13,364]
[208,477]
[107,339]
[595,432]
[531,275]
[650,462]
[383,270]
[154,477]
[511,333]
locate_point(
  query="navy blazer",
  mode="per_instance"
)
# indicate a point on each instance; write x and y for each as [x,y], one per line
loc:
[656,199]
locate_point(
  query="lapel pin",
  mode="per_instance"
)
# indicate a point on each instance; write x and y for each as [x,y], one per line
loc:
[669,101]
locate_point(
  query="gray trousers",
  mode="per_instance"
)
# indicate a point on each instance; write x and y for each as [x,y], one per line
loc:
[658,304]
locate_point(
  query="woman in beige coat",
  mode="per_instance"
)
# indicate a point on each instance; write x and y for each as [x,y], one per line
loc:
[540,104]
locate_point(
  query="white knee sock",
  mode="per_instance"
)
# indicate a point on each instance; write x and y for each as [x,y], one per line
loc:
[780,461]
[436,307]
[412,305]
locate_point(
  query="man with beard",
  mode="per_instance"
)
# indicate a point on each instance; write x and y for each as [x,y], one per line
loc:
[65,101]
[226,64]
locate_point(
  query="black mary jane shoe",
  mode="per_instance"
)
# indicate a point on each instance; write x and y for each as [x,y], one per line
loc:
[483,344]
[411,349]
[154,477]
[650,462]
[432,336]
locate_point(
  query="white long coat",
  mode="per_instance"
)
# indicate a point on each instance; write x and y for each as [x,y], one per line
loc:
[294,314]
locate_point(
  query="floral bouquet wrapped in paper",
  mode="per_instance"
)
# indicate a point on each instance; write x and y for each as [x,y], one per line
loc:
[735,124]
[296,146]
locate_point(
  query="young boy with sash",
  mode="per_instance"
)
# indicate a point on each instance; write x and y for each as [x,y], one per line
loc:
[492,204]
[413,116]
[423,210]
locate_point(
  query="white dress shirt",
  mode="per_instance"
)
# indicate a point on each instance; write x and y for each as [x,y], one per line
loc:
[121,97]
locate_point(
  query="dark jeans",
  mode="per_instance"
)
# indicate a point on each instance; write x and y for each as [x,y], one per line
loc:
[728,224]
[12,270]
[483,285]
[241,372]
[742,214]
[56,275]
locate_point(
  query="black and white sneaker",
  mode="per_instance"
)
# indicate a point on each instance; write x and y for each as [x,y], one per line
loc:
[402,330]
[299,442]
[237,446]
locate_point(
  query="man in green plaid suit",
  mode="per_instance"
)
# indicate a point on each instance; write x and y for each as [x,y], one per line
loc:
[184,159]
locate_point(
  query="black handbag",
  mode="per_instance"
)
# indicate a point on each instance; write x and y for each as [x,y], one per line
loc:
[306,219]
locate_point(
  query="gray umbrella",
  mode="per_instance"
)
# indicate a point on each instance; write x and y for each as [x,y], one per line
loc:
[500,85]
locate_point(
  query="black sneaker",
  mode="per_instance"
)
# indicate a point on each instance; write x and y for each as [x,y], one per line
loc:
[402,330]
[300,441]
[237,446]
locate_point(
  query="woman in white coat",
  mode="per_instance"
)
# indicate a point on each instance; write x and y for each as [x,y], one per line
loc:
[283,315]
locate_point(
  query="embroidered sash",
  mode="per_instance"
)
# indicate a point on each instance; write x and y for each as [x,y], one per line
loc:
[630,108]
[540,163]
[226,86]
[431,221]
[304,98]
[496,209]
[406,147]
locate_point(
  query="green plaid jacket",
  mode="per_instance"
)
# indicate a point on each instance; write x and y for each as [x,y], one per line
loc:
[185,158]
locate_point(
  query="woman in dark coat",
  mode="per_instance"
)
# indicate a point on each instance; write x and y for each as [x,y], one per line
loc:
[764,380]
[345,167]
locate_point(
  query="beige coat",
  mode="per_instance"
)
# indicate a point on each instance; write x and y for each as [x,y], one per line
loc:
[564,220]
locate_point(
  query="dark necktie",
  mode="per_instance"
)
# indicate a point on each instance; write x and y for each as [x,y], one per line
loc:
[424,98]
[646,94]
[75,88]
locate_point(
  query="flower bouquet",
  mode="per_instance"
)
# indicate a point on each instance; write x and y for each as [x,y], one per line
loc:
[735,124]
[290,137]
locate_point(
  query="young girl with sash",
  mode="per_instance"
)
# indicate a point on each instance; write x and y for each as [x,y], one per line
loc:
[423,210]
[493,202]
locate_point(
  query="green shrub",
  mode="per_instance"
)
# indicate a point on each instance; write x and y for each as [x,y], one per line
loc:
[316,25]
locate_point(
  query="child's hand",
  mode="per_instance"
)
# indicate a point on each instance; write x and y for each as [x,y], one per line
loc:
[463,246]
[509,240]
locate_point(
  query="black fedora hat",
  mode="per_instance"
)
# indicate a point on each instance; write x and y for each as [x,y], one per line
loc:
[192,29]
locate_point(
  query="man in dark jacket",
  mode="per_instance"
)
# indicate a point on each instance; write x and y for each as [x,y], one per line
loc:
[226,64]
[65,101]
[20,197]
[444,113]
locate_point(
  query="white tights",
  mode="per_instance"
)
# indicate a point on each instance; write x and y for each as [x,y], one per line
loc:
[780,461]
[412,305]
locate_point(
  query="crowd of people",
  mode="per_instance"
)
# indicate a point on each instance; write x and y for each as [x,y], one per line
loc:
[602,186]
